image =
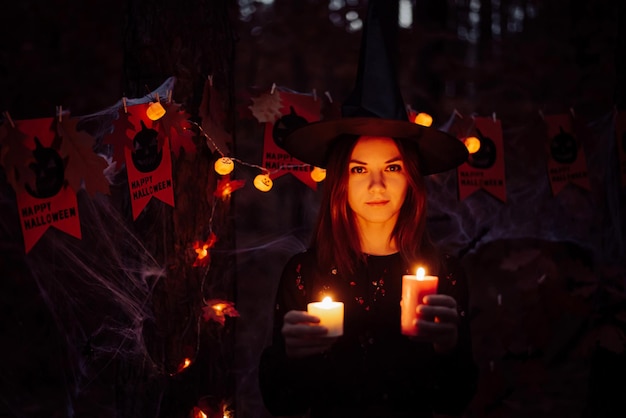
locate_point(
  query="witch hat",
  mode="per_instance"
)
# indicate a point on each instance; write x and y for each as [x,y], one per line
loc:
[375,107]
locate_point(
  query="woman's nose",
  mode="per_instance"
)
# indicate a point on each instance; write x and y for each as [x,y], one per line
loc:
[377,182]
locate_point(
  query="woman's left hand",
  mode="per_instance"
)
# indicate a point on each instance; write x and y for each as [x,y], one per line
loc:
[438,321]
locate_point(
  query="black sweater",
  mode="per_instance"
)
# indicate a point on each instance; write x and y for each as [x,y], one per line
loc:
[372,370]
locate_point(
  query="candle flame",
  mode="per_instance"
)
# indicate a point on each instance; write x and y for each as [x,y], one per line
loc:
[420,273]
[327,300]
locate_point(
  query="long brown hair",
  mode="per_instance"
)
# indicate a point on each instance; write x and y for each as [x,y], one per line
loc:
[336,238]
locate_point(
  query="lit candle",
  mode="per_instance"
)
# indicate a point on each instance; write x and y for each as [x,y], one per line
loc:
[414,288]
[330,314]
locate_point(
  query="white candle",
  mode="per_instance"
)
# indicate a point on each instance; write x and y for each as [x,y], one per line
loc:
[414,288]
[330,314]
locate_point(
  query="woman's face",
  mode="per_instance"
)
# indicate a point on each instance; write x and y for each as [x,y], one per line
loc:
[377,181]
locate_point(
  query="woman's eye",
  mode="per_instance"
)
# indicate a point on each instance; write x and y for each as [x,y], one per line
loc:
[357,170]
[394,167]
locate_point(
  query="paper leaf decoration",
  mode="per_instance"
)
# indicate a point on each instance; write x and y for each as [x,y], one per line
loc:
[14,156]
[175,125]
[213,104]
[267,107]
[203,257]
[123,129]
[84,166]
[217,310]
[225,187]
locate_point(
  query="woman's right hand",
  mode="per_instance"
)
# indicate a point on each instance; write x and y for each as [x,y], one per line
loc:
[304,336]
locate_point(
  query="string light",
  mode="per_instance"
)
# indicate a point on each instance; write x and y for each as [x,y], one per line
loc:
[225,165]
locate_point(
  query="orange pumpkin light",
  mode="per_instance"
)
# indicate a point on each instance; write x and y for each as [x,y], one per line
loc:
[318,174]
[472,144]
[423,119]
[155,111]
[224,166]
[263,182]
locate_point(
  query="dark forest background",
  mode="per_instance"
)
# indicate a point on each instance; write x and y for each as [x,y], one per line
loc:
[547,273]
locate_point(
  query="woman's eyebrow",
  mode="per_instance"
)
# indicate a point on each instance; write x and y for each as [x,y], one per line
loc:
[391,160]
[357,162]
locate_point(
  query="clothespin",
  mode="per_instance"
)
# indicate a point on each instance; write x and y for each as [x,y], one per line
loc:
[327,94]
[169,96]
[273,89]
[494,117]
[124,104]
[60,113]
[210,77]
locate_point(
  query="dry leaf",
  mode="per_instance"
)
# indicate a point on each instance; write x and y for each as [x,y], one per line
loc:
[213,119]
[15,156]
[266,107]
[84,167]
[175,125]
[119,138]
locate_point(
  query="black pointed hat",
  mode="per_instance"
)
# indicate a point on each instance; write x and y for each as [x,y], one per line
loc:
[375,107]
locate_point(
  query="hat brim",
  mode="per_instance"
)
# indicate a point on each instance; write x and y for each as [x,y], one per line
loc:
[439,151]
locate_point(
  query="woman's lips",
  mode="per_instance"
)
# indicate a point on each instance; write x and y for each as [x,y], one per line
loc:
[377,203]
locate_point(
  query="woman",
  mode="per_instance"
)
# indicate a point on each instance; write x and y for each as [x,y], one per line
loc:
[370,232]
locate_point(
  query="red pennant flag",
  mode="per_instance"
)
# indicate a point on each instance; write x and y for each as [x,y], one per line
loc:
[148,158]
[149,175]
[566,159]
[484,169]
[44,198]
[296,110]
[620,132]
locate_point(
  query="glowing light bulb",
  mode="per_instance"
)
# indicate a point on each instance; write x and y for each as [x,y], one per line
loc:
[183,365]
[318,174]
[224,166]
[423,119]
[202,252]
[155,111]
[263,182]
[472,144]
